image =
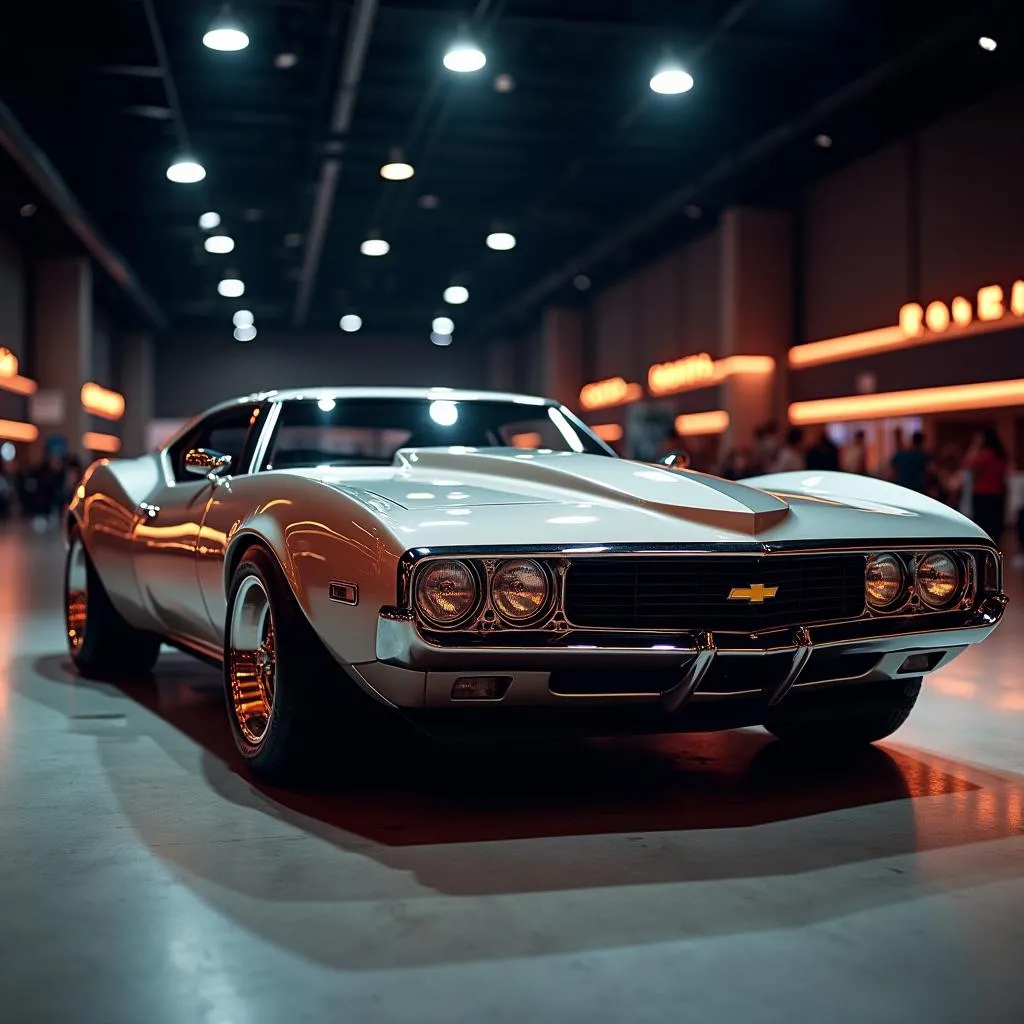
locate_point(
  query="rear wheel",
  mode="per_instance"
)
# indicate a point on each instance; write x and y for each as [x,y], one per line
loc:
[863,714]
[282,686]
[101,643]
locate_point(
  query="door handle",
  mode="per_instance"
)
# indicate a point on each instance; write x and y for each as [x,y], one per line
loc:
[148,510]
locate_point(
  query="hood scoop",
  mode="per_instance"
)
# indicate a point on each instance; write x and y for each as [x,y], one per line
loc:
[570,477]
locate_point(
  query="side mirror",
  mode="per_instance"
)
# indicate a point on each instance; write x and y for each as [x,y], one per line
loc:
[203,462]
[678,459]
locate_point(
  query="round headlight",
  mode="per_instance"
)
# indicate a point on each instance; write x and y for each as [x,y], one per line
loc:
[520,590]
[884,581]
[938,580]
[446,592]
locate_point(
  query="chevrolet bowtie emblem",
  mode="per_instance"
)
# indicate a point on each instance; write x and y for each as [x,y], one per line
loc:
[756,593]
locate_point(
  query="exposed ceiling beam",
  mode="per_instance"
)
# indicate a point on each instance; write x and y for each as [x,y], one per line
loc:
[357,42]
[35,164]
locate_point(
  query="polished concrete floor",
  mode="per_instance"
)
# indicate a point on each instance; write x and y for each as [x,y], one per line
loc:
[143,877]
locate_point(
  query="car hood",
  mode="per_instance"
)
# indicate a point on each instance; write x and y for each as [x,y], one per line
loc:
[454,497]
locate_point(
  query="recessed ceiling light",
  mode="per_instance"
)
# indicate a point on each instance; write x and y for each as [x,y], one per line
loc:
[28,210]
[987,43]
[231,287]
[374,246]
[456,294]
[443,325]
[284,61]
[326,404]
[670,80]
[504,83]
[397,168]
[225,34]
[350,322]
[581,282]
[823,141]
[243,318]
[441,340]
[429,202]
[692,210]
[186,172]
[209,220]
[464,57]
[219,243]
[245,333]
[501,240]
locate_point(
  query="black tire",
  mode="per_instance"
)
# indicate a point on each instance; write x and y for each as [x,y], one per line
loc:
[103,645]
[852,717]
[307,711]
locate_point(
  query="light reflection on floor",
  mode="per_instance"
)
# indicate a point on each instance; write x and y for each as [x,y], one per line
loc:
[144,878]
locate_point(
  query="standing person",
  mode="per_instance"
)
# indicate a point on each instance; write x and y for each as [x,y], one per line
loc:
[987,463]
[912,467]
[855,455]
[823,454]
[790,457]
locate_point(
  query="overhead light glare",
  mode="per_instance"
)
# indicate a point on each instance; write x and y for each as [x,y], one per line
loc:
[284,61]
[350,322]
[397,170]
[231,287]
[501,240]
[823,141]
[456,294]
[671,80]
[225,36]
[243,318]
[186,172]
[219,243]
[443,325]
[375,247]
[987,43]
[326,404]
[464,57]
[245,333]
[441,340]
[209,220]
[504,83]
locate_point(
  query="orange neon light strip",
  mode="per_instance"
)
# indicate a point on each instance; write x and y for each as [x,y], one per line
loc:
[15,430]
[992,394]
[9,378]
[701,371]
[608,431]
[604,393]
[696,423]
[93,442]
[102,402]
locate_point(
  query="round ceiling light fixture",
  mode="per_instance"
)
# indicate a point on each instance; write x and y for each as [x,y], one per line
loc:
[504,83]
[441,340]
[225,34]
[501,240]
[987,43]
[231,287]
[397,168]
[671,80]
[244,333]
[374,245]
[823,141]
[350,323]
[243,318]
[464,56]
[209,220]
[443,325]
[186,172]
[219,243]
[285,61]
[456,294]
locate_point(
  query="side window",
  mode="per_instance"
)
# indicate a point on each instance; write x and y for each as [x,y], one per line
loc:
[230,432]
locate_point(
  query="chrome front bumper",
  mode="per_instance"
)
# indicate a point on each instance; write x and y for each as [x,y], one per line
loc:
[411,671]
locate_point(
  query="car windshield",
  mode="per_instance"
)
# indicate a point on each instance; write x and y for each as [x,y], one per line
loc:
[368,431]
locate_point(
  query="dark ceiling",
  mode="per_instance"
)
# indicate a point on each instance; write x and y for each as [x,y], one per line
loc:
[581,160]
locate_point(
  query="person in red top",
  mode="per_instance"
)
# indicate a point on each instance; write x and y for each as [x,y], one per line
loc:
[986,460]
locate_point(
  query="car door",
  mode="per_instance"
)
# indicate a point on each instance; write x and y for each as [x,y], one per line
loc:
[168,527]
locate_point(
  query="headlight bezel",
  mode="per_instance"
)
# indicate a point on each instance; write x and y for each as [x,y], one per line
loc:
[904,582]
[960,575]
[471,611]
[542,610]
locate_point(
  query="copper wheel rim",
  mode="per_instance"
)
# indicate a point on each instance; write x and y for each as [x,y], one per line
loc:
[76,596]
[252,659]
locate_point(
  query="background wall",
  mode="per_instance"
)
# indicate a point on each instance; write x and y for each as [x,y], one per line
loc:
[195,371]
[12,299]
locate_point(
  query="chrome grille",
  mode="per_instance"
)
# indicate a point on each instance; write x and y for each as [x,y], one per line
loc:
[683,592]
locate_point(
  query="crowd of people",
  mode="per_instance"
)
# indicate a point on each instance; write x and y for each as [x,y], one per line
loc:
[39,491]
[979,474]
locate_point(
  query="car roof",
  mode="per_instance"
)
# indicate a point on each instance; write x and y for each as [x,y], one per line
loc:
[436,393]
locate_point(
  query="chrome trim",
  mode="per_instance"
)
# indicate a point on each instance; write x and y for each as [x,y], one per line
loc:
[672,700]
[801,655]
[197,648]
[266,431]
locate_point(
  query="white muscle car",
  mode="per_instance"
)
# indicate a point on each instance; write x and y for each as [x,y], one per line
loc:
[483,564]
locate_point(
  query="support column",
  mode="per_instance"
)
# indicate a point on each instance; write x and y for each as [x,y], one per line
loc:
[136,381]
[757,315]
[562,354]
[62,349]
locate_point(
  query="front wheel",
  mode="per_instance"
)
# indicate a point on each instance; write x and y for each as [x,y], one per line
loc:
[279,681]
[101,643]
[862,714]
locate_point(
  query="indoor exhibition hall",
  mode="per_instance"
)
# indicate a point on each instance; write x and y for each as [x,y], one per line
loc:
[512,511]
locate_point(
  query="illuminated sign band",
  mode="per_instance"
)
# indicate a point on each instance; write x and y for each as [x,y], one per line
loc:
[697,424]
[701,371]
[102,402]
[93,442]
[613,391]
[9,379]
